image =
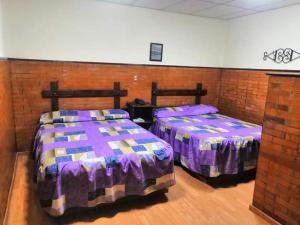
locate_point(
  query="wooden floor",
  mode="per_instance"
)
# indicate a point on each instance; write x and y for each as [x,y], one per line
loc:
[189,202]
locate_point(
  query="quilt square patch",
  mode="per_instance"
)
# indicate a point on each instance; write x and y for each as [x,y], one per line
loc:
[115,131]
[109,114]
[64,116]
[111,121]
[214,116]
[240,124]
[144,146]
[182,119]
[54,137]
[52,158]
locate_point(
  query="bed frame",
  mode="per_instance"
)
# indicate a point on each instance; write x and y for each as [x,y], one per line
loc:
[198,93]
[55,93]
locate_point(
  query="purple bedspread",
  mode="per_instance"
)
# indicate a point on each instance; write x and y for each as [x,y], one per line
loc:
[211,144]
[83,164]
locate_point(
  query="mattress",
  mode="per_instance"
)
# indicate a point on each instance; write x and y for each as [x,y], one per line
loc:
[208,143]
[84,158]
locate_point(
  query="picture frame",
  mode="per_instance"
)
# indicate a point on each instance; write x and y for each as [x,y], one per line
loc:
[156,52]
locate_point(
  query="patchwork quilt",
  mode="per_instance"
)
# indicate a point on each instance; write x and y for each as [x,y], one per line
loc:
[211,144]
[84,158]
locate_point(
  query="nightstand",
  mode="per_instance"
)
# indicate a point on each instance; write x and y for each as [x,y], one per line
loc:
[141,111]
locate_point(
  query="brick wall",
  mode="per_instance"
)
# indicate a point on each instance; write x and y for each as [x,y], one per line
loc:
[243,94]
[277,186]
[29,78]
[237,93]
[7,136]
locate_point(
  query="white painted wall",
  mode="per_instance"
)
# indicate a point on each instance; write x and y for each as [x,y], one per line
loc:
[249,37]
[1,32]
[91,30]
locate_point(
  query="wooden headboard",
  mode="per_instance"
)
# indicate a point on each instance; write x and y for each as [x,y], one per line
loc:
[198,93]
[55,93]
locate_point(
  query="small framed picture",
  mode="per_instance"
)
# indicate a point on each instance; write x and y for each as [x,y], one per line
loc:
[156,51]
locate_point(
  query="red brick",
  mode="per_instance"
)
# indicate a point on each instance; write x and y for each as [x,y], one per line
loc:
[279,149]
[243,94]
[7,136]
[31,77]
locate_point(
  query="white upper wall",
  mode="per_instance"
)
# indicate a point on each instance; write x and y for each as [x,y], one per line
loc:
[91,30]
[1,32]
[249,37]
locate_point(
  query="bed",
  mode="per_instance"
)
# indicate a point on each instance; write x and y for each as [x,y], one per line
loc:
[205,142]
[87,157]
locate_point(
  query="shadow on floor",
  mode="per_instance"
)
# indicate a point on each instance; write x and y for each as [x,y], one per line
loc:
[110,210]
[223,181]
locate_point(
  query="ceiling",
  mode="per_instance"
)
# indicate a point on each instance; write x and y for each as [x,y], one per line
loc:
[220,9]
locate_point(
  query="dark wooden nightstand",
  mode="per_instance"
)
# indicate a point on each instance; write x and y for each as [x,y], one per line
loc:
[141,111]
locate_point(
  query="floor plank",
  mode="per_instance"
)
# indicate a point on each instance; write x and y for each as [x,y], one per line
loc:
[189,202]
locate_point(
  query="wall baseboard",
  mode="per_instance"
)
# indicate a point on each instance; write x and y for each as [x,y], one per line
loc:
[263,215]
